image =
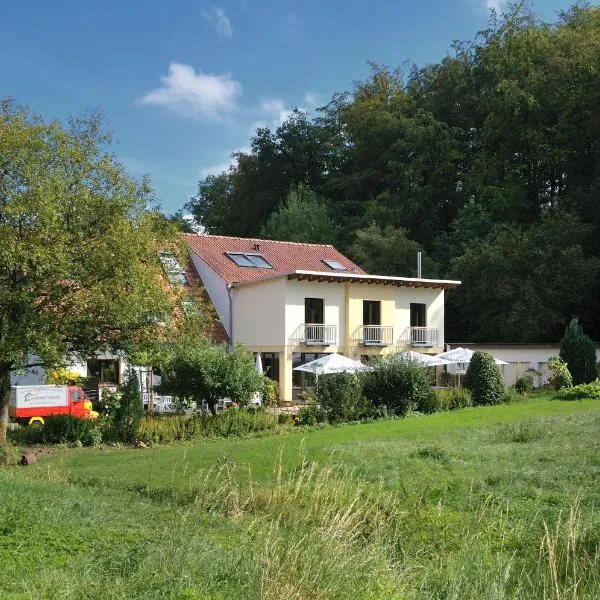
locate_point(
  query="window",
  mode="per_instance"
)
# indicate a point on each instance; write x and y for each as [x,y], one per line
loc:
[371,312]
[249,260]
[104,371]
[313,311]
[335,265]
[173,270]
[418,315]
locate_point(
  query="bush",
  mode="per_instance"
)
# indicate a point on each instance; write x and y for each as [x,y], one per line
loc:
[484,379]
[341,398]
[453,398]
[579,352]
[285,419]
[270,392]
[310,415]
[581,392]
[511,395]
[560,376]
[126,411]
[230,423]
[59,429]
[399,383]
[523,385]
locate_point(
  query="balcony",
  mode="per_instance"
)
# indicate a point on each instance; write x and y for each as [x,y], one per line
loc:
[376,335]
[422,337]
[317,334]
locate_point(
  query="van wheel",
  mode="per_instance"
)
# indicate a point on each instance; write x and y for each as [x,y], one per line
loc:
[36,422]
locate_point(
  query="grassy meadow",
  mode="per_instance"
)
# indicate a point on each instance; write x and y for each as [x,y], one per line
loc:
[495,502]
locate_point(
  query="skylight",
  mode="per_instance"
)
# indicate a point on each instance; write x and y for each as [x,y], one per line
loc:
[335,265]
[173,270]
[256,261]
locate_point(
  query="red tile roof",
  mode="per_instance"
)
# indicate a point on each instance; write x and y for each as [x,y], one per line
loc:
[286,257]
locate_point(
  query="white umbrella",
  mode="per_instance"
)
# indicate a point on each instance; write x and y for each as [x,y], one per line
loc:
[427,360]
[462,355]
[257,399]
[332,363]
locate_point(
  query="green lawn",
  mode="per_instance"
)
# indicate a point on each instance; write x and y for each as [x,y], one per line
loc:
[497,502]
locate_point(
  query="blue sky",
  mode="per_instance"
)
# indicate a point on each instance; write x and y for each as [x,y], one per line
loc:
[184,83]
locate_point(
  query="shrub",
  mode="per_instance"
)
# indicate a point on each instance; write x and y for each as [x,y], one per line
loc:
[310,415]
[126,415]
[285,419]
[64,429]
[581,392]
[453,398]
[230,423]
[399,383]
[560,376]
[341,398]
[63,377]
[523,385]
[203,372]
[270,393]
[511,395]
[92,438]
[484,379]
[579,352]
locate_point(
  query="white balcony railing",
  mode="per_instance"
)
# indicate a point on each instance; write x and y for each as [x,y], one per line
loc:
[427,337]
[376,335]
[318,334]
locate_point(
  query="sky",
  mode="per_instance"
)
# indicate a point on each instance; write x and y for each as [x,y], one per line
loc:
[185,83]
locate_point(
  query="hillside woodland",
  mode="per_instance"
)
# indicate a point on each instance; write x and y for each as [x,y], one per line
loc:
[488,162]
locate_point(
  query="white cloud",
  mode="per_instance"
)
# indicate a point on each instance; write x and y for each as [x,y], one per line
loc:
[220,20]
[190,94]
[311,99]
[496,5]
[275,110]
[218,168]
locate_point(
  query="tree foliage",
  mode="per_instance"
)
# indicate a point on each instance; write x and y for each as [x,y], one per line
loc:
[201,372]
[79,266]
[399,383]
[488,162]
[579,352]
[303,217]
[484,379]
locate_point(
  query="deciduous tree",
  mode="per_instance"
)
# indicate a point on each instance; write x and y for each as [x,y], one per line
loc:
[79,269]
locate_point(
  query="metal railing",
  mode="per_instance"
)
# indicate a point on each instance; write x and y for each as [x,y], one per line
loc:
[318,334]
[427,337]
[376,335]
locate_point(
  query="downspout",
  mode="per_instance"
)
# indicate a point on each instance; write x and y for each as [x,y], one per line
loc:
[229,290]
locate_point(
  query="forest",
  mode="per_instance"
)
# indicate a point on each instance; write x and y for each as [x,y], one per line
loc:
[488,162]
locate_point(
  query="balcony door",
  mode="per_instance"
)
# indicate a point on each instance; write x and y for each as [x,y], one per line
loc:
[314,319]
[372,322]
[371,312]
[313,311]
[418,319]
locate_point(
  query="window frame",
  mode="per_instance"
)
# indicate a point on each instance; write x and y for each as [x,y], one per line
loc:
[248,256]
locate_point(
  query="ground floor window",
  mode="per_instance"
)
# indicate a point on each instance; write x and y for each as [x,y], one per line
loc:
[104,371]
[300,379]
[270,363]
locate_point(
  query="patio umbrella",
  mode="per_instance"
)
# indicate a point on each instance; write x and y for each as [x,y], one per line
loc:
[332,363]
[427,360]
[257,398]
[462,355]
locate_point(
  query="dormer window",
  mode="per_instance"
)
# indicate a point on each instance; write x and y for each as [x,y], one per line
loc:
[251,260]
[335,265]
[173,270]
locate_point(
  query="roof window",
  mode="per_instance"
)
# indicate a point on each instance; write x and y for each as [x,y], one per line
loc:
[335,265]
[173,270]
[256,261]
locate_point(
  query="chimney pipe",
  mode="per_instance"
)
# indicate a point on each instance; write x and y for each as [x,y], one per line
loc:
[418,265]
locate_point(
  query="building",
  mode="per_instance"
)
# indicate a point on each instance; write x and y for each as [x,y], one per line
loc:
[293,302]
[523,359]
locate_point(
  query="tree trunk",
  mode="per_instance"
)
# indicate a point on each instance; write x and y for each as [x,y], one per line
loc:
[4,400]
